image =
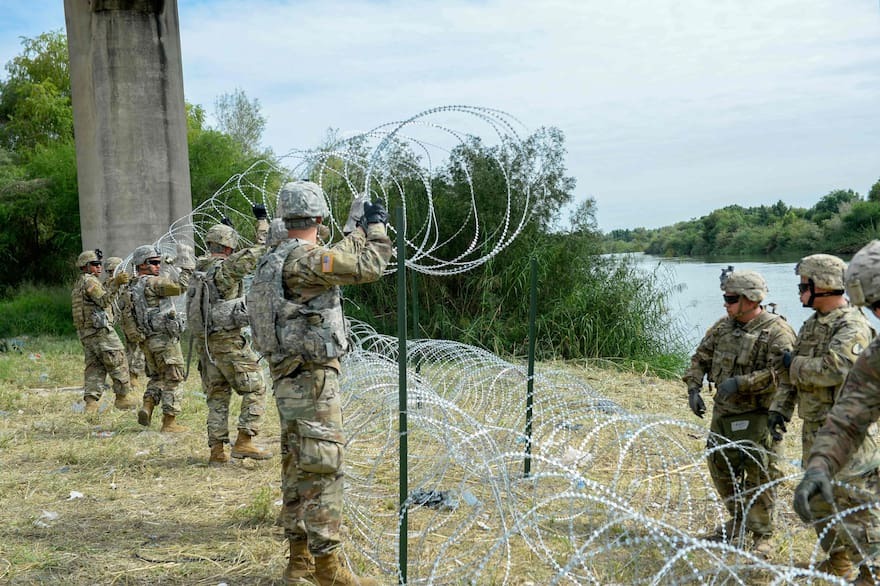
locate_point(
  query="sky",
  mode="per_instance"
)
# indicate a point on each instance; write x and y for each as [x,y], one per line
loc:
[670,108]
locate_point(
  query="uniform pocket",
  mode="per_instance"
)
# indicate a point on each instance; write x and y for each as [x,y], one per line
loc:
[321,448]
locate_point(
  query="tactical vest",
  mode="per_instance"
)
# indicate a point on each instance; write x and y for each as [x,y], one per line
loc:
[88,316]
[206,310]
[814,401]
[742,350]
[161,319]
[286,325]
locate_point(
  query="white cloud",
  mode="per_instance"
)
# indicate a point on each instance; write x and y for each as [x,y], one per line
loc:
[671,108]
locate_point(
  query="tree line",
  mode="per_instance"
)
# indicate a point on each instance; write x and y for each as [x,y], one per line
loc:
[841,222]
[589,305]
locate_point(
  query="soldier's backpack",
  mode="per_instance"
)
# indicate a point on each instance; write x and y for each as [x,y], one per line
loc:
[207,311]
[312,328]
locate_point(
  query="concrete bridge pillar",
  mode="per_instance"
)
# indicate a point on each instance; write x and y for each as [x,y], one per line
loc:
[129,120]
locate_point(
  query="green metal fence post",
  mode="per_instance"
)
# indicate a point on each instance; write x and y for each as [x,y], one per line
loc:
[401,369]
[530,385]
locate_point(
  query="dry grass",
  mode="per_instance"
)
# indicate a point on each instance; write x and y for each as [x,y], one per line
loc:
[151,511]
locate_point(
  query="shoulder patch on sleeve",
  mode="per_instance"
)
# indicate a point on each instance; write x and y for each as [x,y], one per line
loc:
[327,262]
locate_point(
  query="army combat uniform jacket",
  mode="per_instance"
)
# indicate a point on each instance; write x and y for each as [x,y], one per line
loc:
[845,440]
[297,287]
[160,325]
[751,351]
[104,353]
[827,347]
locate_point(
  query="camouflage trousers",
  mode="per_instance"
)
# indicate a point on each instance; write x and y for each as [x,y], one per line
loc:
[858,528]
[137,364]
[857,532]
[164,362]
[312,450]
[738,475]
[235,366]
[104,356]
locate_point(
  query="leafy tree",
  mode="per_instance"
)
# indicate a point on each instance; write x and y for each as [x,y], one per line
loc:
[240,119]
[874,194]
[830,204]
[35,106]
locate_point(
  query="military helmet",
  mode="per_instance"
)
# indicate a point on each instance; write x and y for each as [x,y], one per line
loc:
[142,253]
[223,235]
[747,283]
[826,270]
[111,263]
[862,276]
[302,199]
[87,256]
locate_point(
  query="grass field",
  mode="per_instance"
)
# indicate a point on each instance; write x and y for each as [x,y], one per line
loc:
[101,500]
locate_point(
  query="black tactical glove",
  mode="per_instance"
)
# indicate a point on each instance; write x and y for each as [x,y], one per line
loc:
[787,358]
[260,212]
[226,221]
[374,213]
[728,387]
[695,402]
[776,422]
[815,481]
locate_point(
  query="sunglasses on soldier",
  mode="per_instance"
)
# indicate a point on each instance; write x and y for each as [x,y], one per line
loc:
[803,287]
[95,263]
[731,299]
[154,261]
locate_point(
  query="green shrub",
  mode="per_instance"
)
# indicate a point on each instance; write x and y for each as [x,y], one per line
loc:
[34,310]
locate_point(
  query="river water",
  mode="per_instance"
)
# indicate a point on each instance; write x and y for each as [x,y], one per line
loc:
[696,301]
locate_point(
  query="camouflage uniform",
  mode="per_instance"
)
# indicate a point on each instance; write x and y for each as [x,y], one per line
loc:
[846,448]
[307,388]
[164,359]
[752,352]
[826,348]
[93,318]
[226,359]
[122,317]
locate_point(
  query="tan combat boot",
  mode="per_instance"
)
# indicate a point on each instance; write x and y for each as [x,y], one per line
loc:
[146,411]
[125,402]
[169,426]
[245,448]
[838,564]
[301,566]
[91,405]
[218,455]
[331,571]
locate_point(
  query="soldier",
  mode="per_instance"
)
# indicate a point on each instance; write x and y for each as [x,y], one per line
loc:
[845,447]
[296,316]
[742,354]
[826,348]
[136,362]
[92,316]
[216,315]
[160,326]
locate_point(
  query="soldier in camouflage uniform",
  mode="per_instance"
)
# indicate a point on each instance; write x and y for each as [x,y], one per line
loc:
[93,318]
[296,316]
[845,447]
[226,359]
[134,354]
[742,354]
[157,321]
[827,346]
